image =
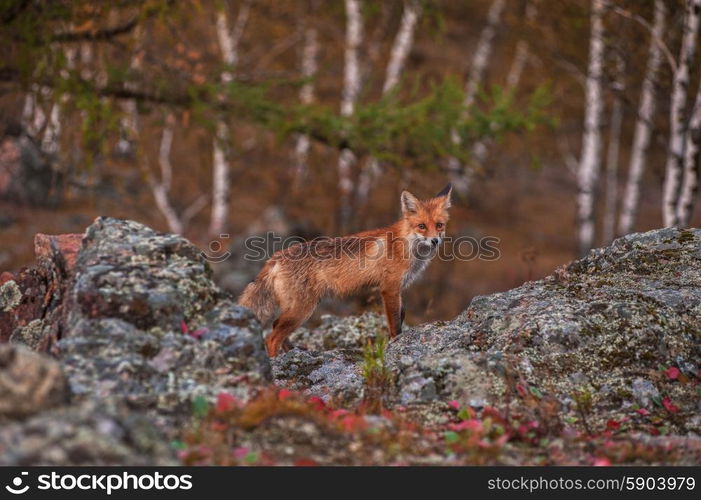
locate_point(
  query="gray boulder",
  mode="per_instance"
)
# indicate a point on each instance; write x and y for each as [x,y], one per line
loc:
[29,382]
[90,433]
[144,321]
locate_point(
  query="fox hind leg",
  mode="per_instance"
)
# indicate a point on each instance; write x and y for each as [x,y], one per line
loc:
[288,322]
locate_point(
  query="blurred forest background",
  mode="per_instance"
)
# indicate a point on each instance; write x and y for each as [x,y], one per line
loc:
[562,124]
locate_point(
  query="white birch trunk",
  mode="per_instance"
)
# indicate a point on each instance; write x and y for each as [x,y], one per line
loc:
[612,154]
[33,115]
[523,50]
[674,165]
[590,159]
[460,176]
[310,53]
[401,47]
[161,189]
[480,149]
[52,132]
[220,180]
[692,146]
[228,39]
[644,125]
[351,88]
[129,122]
[483,52]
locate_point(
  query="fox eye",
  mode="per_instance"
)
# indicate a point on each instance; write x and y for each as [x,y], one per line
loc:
[439,225]
[422,226]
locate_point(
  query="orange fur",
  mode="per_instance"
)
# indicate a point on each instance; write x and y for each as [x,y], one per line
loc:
[295,279]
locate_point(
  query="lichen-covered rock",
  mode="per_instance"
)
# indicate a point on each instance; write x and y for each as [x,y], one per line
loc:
[129,271]
[238,335]
[29,382]
[334,374]
[61,248]
[162,372]
[618,314]
[31,335]
[144,321]
[31,299]
[351,332]
[90,433]
[10,295]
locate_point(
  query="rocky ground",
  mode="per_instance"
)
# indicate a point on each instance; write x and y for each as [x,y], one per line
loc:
[119,348]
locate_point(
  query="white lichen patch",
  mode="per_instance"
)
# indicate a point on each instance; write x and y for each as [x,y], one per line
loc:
[10,296]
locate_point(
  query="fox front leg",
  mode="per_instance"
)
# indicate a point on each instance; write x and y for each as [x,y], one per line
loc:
[393,310]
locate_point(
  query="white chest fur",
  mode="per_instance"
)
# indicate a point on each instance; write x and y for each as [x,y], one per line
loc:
[421,253]
[417,266]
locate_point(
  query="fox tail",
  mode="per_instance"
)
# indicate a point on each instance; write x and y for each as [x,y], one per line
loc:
[258,297]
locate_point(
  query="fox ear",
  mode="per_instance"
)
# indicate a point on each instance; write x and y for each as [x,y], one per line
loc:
[410,203]
[445,193]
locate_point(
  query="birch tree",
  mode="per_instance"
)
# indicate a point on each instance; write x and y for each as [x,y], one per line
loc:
[457,172]
[523,50]
[228,38]
[129,122]
[590,158]
[674,166]
[479,150]
[161,187]
[401,47]
[612,153]
[33,116]
[692,147]
[644,124]
[351,89]
[310,51]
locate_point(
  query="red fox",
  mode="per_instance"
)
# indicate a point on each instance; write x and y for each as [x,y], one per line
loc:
[293,280]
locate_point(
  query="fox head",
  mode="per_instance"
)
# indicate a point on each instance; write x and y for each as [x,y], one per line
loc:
[426,220]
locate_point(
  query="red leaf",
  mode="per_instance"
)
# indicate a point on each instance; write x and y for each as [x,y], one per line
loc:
[521,389]
[197,333]
[240,452]
[317,403]
[353,422]
[613,425]
[454,404]
[669,406]
[602,462]
[642,411]
[672,372]
[225,402]
[490,411]
[284,394]
[219,426]
[183,326]
[533,424]
[338,413]
[654,431]
[473,425]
